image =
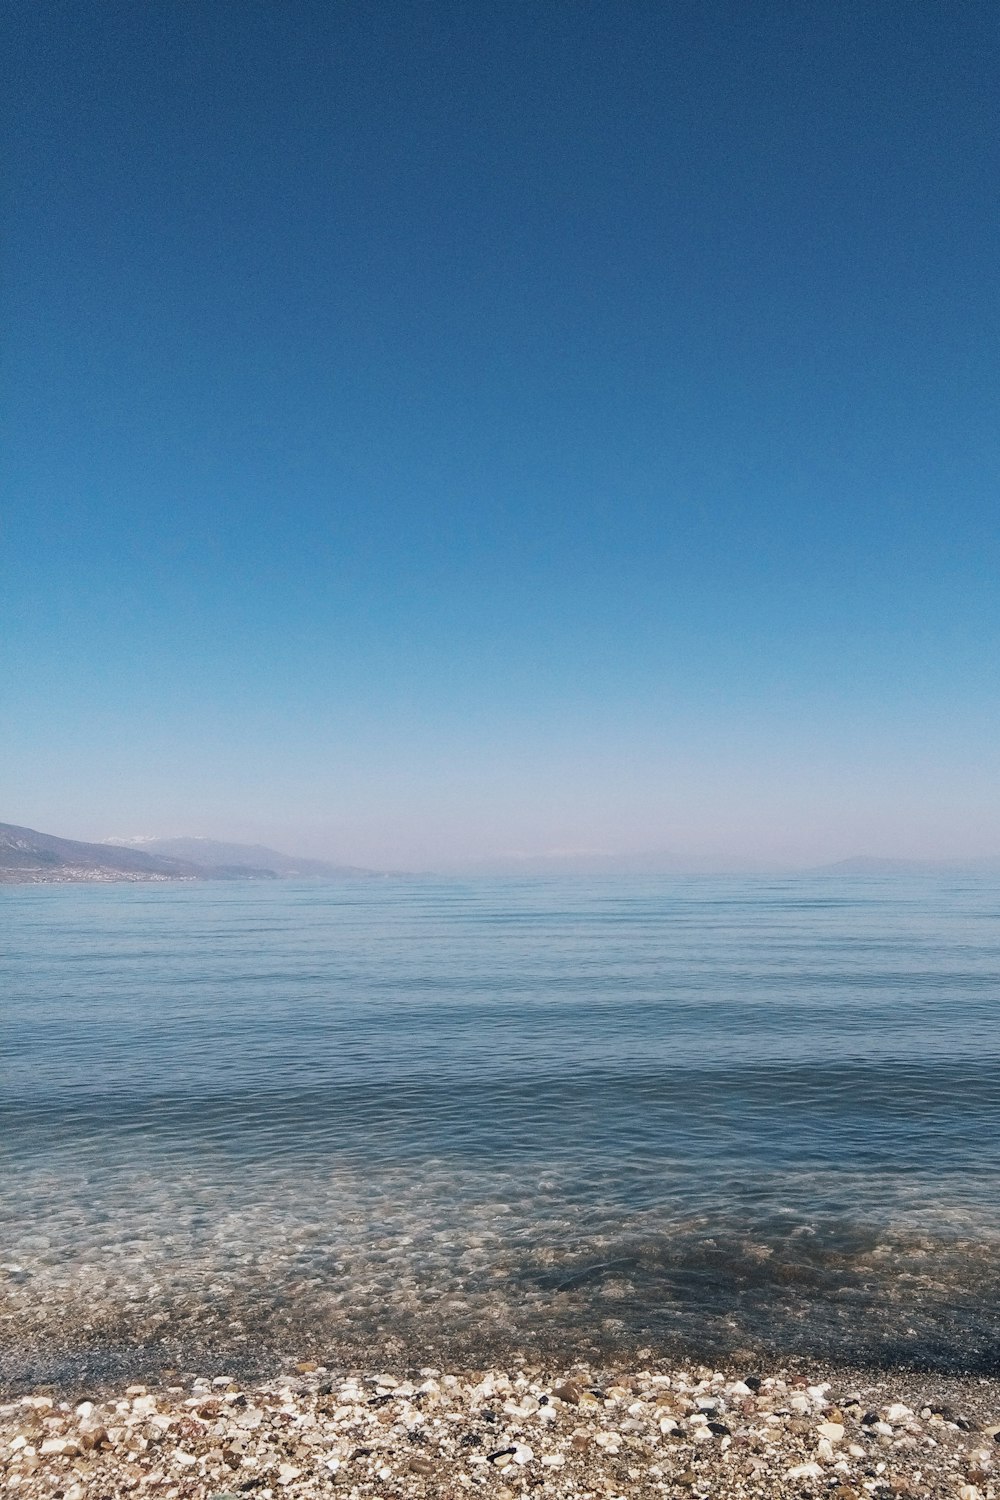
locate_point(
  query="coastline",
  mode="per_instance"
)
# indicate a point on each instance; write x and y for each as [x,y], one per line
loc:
[582,1431]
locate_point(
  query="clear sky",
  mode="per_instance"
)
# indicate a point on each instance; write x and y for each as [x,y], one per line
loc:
[439,430]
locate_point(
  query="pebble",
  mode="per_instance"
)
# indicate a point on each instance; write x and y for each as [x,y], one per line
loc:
[804,1471]
[316,1432]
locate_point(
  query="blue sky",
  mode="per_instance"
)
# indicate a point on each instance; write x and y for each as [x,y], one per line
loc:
[436,431]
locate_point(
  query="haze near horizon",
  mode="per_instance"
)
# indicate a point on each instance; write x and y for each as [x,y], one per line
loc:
[452,432]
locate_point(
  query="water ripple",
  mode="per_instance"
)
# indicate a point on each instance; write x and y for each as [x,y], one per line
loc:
[692,1112]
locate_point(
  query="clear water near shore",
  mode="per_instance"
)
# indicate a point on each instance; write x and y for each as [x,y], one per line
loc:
[580,1117]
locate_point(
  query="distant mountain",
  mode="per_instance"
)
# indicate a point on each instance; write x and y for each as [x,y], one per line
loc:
[871,864]
[256,858]
[30,857]
[560,862]
[27,856]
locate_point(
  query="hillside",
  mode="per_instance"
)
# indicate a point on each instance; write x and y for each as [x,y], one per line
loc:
[213,852]
[29,857]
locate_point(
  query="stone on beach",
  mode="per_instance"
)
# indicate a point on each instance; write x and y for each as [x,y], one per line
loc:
[641,1434]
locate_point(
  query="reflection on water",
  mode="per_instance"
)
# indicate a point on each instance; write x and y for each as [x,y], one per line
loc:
[695,1115]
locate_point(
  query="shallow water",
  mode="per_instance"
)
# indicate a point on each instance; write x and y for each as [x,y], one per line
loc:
[699,1116]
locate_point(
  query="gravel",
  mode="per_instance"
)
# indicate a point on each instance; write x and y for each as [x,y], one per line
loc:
[582,1432]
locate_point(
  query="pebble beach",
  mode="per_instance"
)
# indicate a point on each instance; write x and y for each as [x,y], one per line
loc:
[315,1431]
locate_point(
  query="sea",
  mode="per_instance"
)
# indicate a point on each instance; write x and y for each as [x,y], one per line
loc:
[401,1122]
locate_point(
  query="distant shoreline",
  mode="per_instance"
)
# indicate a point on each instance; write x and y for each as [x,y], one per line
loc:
[28,857]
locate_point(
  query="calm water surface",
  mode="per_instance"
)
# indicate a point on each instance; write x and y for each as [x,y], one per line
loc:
[706,1116]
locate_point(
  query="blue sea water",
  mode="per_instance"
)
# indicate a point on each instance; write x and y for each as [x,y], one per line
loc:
[659,1116]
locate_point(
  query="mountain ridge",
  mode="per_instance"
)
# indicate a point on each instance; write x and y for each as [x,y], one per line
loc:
[199,850]
[30,857]
[875,864]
